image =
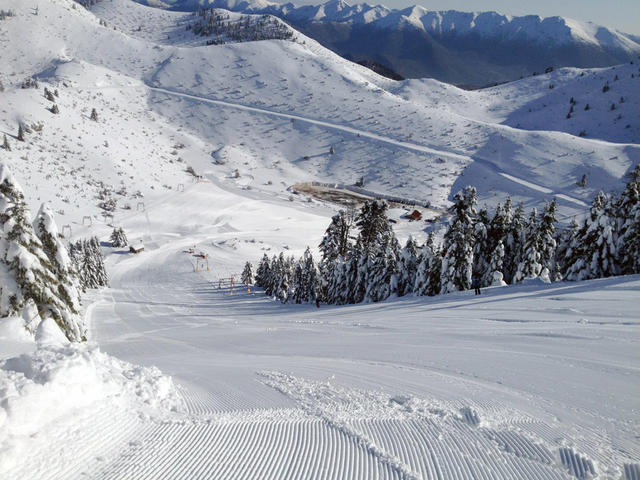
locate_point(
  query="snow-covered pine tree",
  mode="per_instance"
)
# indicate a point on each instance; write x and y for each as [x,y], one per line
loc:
[429,267]
[407,268]
[594,254]
[274,277]
[284,269]
[89,263]
[457,260]
[495,274]
[530,264]
[336,284]
[334,249]
[378,266]
[355,280]
[382,270]
[5,144]
[565,243]
[482,247]
[247,274]
[297,293]
[628,214]
[45,228]
[514,240]
[548,242]
[309,277]
[263,271]
[119,238]
[28,283]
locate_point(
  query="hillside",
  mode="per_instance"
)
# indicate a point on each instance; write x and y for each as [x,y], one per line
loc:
[193,150]
[463,48]
[276,127]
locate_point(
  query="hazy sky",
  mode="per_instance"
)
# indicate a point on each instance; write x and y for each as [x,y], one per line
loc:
[621,14]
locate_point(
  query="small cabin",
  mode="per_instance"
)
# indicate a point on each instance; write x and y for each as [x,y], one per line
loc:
[139,247]
[414,216]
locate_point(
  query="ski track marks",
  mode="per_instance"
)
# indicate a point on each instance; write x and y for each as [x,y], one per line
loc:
[428,440]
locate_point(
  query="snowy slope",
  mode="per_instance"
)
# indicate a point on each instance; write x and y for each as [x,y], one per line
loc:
[512,384]
[524,382]
[311,101]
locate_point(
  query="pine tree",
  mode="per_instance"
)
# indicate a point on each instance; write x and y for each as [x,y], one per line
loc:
[482,246]
[407,268]
[273,277]
[247,274]
[548,242]
[118,238]
[89,263]
[54,109]
[628,214]
[298,294]
[284,272]
[496,265]
[334,249]
[71,320]
[29,284]
[379,250]
[94,115]
[382,271]
[20,132]
[594,250]
[5,144]
[529,265]
[457,261]
[263,271]
[428,272]
[309,277]
[564,253]
[513,240]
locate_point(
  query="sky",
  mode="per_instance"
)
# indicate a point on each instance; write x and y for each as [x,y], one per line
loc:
[623,15]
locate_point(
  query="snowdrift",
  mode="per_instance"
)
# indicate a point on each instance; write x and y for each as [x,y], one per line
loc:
[43,391]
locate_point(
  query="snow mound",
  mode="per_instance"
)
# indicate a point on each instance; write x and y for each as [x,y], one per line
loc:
[57,382]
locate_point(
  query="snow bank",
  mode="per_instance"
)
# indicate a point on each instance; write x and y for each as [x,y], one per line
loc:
[59,381]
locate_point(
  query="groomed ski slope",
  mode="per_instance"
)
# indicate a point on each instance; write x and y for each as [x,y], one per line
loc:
[532,381]
[535,381]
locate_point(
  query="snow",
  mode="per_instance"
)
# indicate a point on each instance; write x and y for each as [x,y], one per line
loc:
[507,384]
[44,391]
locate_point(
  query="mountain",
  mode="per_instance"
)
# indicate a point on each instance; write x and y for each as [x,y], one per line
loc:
[469,49]
[176,128]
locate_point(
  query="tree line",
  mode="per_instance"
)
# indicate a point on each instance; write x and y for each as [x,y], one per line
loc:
[362,260]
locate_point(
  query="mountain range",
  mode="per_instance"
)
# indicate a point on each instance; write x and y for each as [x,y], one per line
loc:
[462,48]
